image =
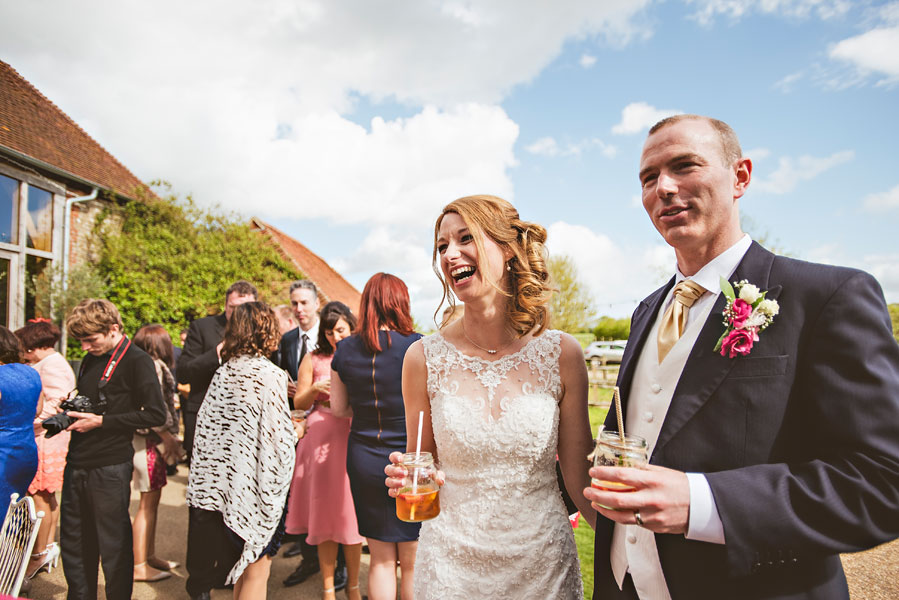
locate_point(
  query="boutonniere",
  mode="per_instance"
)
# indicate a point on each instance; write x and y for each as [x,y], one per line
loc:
[746,314]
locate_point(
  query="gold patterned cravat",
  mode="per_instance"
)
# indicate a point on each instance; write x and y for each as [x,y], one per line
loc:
[675,318]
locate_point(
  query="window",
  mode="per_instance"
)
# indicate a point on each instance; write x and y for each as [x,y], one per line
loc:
[30,240]
[9,204]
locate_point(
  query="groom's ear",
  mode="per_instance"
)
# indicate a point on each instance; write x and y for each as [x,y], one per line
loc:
[742,176]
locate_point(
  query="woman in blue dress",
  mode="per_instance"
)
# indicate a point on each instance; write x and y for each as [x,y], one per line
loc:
[366,383]
[20,393]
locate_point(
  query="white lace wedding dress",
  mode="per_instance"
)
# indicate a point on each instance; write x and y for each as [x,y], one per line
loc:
[503,531]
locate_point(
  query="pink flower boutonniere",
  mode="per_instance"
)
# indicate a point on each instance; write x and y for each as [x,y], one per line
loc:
[747,313]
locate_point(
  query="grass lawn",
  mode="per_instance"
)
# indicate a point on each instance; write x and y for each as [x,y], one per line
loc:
[583,535]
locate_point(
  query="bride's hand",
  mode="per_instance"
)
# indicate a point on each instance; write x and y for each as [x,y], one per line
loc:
[396,472]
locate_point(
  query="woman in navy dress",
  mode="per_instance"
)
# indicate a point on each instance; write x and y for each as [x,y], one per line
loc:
[20,392]
[366,383]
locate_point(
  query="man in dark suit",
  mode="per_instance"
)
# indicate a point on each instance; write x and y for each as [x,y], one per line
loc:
[772,454]
[199,361]
[299,340]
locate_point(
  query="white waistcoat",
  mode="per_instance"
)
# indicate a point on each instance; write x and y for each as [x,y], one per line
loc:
[633,547]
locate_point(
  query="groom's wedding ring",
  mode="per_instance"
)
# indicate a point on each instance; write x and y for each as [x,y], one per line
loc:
[638,518]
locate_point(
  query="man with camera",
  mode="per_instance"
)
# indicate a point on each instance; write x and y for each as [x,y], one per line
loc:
[117,386]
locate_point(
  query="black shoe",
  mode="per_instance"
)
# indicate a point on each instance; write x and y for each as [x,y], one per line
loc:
[201,596]
[302,573]
[340,579]
[295,550]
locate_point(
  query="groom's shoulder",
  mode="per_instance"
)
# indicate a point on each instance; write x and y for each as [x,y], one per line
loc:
[823,278]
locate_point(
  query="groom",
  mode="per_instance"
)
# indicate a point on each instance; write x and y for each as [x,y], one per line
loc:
[776,452]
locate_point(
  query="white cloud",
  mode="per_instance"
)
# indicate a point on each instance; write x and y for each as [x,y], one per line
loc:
[757,153]
[707,10]
[548,146]
[637,116]
[875,52]
[247,105]
[587,61]
[791,171]
[885,267]
[787,83]
[618,276]
[545,146]
[883,201]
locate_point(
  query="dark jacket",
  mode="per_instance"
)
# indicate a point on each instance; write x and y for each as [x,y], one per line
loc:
[799,440]
[199,359]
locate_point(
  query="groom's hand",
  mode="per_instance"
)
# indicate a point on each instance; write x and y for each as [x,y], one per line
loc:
[662,497]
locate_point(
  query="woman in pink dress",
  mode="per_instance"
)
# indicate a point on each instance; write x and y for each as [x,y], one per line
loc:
[39,336]
[320,503]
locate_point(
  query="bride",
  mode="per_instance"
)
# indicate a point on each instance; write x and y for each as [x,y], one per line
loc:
[502,397]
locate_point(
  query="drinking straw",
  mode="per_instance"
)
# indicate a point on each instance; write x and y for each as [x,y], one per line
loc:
[616,395]
[421,416]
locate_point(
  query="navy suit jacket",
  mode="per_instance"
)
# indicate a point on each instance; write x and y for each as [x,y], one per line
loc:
[288,359]
[199,360]
[799,440]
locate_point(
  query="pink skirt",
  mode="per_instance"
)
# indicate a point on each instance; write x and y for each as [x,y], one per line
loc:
[51,462]
[320,502]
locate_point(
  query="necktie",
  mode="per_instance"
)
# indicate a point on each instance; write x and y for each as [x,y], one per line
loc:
[302,349]
[675,318]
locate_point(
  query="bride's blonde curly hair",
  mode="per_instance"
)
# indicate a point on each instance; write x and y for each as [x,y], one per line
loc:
[529,282]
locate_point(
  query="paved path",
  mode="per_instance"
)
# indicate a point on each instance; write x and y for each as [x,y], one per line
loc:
[873,575]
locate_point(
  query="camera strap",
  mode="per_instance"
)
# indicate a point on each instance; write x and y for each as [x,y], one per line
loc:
[113,362]
[117,354]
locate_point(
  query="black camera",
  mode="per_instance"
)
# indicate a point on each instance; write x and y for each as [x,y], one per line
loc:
[79,403]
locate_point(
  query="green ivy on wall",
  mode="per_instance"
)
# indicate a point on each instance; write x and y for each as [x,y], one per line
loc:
[172,261]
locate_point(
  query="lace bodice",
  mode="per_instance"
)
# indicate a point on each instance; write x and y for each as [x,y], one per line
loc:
[503,531]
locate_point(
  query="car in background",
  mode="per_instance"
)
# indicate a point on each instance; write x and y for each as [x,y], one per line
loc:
[611,351]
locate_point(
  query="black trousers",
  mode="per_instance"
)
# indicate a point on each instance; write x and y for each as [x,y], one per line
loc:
[210,553]
[190,425]
[94,526]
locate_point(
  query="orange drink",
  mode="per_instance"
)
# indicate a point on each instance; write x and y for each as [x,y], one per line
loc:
[419,498]
[611,451]
[422,505]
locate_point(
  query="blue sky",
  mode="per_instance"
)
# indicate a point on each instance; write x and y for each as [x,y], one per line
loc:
[350,123]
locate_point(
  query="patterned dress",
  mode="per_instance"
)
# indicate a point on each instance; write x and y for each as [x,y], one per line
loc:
[243,455]
[503,531]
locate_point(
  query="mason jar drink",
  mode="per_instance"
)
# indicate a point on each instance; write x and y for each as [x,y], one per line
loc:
[612,452]
[418,499]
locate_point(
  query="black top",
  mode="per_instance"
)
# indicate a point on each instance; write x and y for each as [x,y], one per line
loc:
[134,401]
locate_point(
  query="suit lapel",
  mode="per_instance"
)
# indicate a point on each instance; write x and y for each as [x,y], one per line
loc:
[643,319]
[705,368]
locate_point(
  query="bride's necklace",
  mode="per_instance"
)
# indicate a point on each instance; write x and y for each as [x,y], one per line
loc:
[487,350]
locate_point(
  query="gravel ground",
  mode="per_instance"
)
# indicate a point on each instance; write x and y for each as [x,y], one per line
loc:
[171,543]
[872,575]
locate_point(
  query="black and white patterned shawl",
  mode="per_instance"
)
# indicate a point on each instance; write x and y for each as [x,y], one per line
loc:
[244,451]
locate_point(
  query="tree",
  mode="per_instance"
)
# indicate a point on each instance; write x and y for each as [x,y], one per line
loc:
[571,306]
[53,300]
[608,328]
[894,317]
[172,261]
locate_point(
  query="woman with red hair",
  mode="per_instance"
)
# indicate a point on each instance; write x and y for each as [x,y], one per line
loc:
[365,384]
